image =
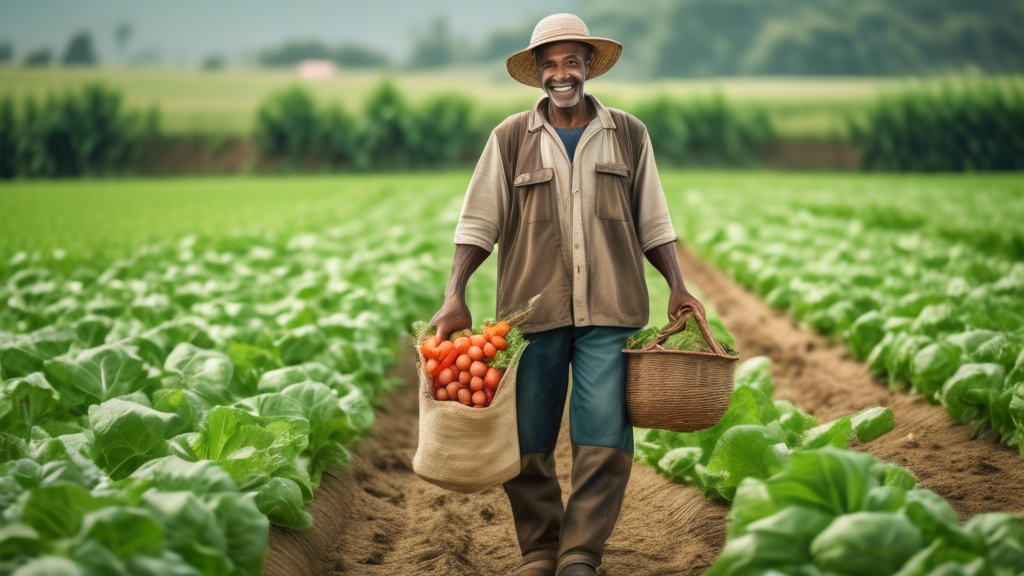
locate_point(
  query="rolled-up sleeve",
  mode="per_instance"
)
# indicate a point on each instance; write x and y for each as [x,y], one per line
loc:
[486,203]
[653,222]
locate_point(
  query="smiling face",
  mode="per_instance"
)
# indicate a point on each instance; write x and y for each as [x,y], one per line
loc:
[562,68]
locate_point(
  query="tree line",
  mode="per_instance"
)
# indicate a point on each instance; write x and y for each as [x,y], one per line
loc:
[977,127]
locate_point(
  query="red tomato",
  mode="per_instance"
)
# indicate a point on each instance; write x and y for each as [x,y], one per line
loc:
[490,350]
[465,396]
[499,342]
[441,394]
[465,377]
[476,352]
[478,369]
[492,378]
[479,397]
[444,377]
[478,340]
[453,390]
[490,395]
[430,366]
[488,332]
[476,384]
[463,362]
[462,344]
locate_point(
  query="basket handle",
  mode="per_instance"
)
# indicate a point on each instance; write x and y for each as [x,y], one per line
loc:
[679,324]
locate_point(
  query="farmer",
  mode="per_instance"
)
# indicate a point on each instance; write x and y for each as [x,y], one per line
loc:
[570,193]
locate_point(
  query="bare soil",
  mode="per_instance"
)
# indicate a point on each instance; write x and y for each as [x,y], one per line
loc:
[376,517]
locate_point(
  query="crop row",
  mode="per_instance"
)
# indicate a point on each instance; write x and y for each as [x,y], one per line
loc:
[802,504]
[156,412]
[922,309]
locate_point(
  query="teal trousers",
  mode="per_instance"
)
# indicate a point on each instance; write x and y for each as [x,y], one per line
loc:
[602,444]
[597,408]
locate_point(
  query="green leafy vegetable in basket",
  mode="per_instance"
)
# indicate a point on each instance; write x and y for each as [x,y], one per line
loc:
[689,339]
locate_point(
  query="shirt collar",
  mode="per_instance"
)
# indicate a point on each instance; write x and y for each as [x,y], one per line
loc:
[537,119]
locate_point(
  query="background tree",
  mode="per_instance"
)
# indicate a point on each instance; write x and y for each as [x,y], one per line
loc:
[355,56]
[435,48]
[79,51]
[6,51]
[294,51]
[39,57]
[122,35]
[212,62]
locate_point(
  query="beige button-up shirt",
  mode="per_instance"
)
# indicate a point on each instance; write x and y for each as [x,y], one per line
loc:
[574,233]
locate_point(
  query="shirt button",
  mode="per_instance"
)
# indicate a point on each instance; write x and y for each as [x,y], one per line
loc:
[577,246]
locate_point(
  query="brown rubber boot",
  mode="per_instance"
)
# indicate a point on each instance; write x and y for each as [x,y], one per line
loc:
[599,478]
[536,499]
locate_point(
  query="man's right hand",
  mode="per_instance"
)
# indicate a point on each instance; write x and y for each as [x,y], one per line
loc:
[453,315]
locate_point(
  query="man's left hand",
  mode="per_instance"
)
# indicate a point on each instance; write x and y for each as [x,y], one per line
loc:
[680,297]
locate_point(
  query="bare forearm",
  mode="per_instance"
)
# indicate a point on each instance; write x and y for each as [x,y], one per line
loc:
[664,258]
[467,259]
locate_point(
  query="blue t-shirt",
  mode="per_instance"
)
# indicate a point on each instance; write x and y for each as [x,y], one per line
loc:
[570,138]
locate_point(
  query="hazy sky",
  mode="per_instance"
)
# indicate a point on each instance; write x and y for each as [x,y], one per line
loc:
[186,30]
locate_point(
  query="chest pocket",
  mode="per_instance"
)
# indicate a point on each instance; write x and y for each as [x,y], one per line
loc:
[612,191]
[534,192]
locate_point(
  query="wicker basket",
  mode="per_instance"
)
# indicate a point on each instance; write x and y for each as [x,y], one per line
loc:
[677,390]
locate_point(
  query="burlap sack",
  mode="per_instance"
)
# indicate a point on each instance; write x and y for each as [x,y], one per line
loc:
[468,449]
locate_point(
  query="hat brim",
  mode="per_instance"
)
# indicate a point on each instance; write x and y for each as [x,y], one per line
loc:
[523,67]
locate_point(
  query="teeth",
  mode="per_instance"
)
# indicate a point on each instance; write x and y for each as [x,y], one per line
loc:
[562,89]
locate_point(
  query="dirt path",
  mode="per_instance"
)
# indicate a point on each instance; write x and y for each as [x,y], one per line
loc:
[821,377]
[377,517]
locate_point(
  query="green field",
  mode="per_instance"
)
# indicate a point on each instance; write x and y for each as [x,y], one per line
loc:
[225,103]
[198,352]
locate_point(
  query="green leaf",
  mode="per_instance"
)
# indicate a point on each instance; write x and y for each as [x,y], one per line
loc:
[872,423]
[127,435]
[56,511]
[196,368]
[172,474]
[885,499]
[25,402]
[829,479]
[679,462]
[836,433]
[746,451]
[301,344]
[250,448]
[866,544]
[192,530]
[1003,535]
[278,380]
[756,373]
[124,531]
[794,422]
[96,375]
[892,475]
[966,393]
[940,556]
[933,365]
[246,530]
[782,539]
[281,500]
[50,566]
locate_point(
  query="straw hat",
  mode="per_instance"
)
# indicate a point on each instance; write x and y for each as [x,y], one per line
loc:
[556,28]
